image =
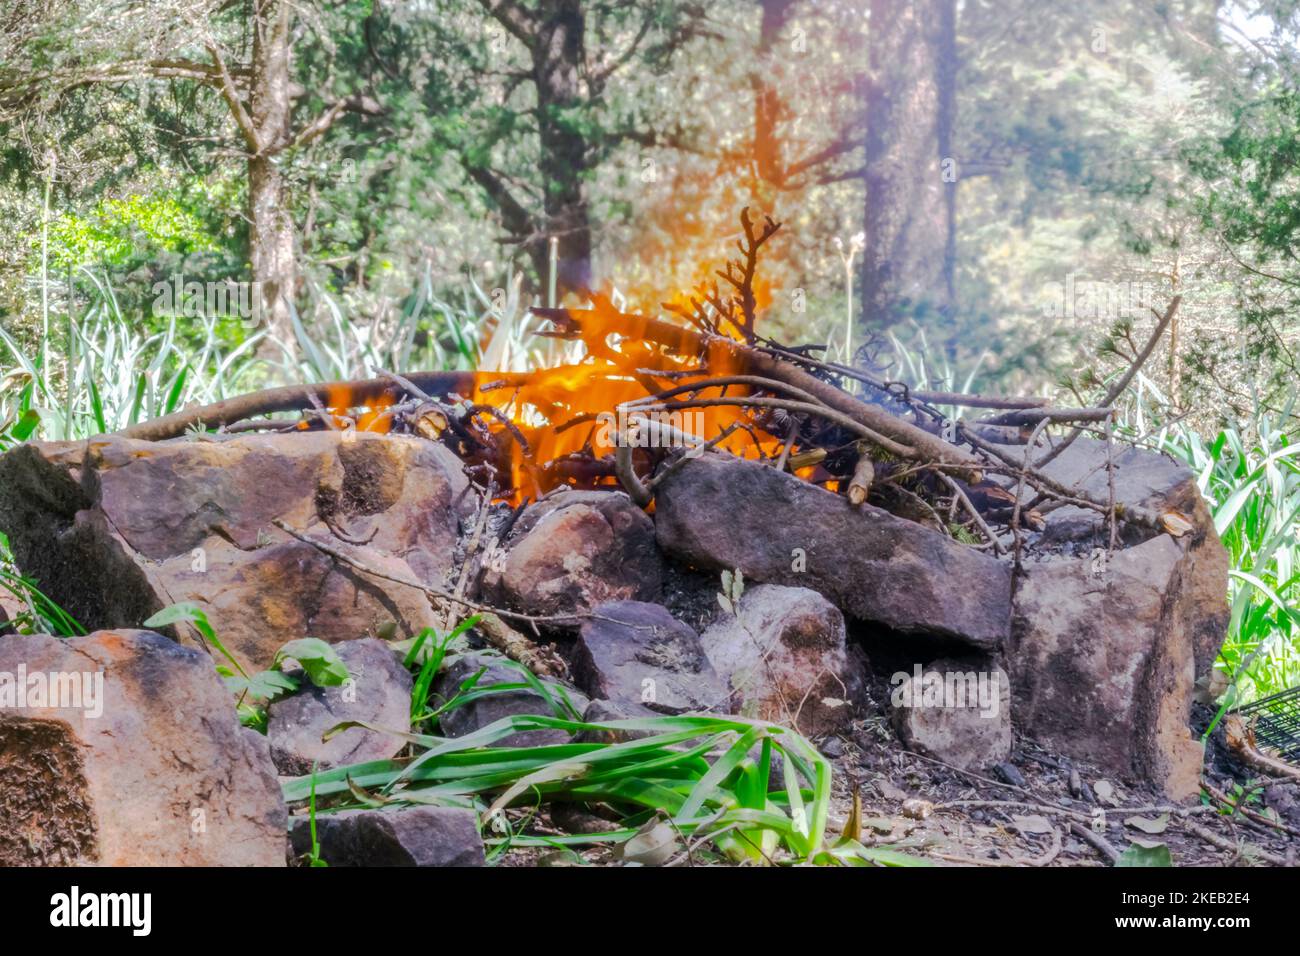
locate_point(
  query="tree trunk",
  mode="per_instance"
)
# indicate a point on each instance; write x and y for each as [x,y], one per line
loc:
[271,233]
[907,265]
[270,245]
[768,157]
[558,54]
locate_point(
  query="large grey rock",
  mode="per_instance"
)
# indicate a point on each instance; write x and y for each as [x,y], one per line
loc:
[785,658]
[490,708]
[408,836]
[146,766]
[1103,658]
[1143,479]
[1155,482]
[575,550]
[115,529]
[378,691]
[636,654]
[955,710]
[723,513]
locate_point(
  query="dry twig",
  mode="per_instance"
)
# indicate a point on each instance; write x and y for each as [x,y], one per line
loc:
[289,398]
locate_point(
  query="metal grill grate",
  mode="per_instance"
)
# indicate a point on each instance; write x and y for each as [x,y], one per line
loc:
[1277,726]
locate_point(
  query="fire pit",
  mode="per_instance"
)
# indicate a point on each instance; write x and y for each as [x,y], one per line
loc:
[588,512]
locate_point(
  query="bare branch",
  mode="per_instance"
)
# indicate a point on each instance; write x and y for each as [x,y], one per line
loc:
[514,214]
[231,96]
[823,155]
[597,78]
[518,20]
[322,123]
[1117,389]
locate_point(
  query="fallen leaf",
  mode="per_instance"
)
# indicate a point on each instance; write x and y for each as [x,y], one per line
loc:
[917,809]
[653,845]
[1158,825]
[1105,792]
[1145,853]
[1032,824]
[853,825]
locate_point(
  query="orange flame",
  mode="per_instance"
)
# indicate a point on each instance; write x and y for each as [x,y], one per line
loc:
[372,418]
[569,409]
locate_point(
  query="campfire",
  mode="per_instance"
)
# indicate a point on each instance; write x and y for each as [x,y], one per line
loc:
[649,392]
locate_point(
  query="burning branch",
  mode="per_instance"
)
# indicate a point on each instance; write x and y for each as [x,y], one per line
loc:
[291,398]
[627,476]
[907,440]
[808,408]
[738,310]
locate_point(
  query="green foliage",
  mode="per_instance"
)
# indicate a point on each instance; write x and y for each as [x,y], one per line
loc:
[704,778]
[1145,853]
[314,857]
[700,772]
[1251,478]
[429,650]
[122,233]
[471,689]
[319,660]
[111,374]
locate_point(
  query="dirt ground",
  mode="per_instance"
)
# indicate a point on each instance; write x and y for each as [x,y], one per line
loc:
[977,819]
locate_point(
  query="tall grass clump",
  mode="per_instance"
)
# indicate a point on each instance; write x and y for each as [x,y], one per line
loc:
[1250,475]
[685,785]
[100,372]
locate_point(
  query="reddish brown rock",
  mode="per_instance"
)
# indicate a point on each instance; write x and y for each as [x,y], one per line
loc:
[1104,655]
[720,513]
[634,654]
[575,550]
[116,529]
[146,766]
[377,692]
[785,658]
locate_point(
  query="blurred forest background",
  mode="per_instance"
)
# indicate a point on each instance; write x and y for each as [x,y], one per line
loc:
[978,194]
